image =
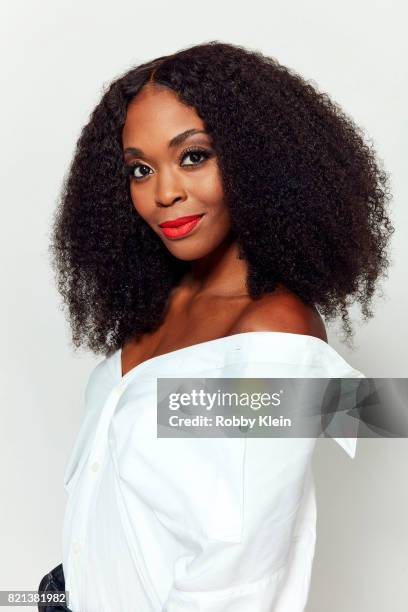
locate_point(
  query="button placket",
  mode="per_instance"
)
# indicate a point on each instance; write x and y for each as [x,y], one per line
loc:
[100,440]
[95,459]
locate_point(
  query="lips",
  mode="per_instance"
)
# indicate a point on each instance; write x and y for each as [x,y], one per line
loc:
[183,228]
[179,221]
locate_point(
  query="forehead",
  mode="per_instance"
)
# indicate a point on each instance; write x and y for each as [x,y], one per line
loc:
[156,115]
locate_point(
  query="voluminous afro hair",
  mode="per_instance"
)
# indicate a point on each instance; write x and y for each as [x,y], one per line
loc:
[291,162]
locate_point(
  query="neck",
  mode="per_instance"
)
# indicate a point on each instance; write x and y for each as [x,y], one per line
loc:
[219,273]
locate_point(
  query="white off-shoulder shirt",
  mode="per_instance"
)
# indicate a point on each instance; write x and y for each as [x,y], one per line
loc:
[192,524]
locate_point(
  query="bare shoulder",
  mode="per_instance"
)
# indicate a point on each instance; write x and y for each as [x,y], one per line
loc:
[284,312]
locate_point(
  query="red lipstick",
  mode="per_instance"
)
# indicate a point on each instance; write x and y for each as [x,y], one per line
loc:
[180,226]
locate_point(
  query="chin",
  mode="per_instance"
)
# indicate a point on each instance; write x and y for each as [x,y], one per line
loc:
[189,254]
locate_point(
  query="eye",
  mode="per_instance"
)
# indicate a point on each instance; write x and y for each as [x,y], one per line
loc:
[196,155]
[132,168]
[193,153]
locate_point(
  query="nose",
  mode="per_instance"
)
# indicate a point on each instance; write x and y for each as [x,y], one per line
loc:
[169,189]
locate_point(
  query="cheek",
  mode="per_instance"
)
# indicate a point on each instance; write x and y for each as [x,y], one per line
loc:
[141,199]
[208,189]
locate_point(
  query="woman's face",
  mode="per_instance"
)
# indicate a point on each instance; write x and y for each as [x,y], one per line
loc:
[174,173]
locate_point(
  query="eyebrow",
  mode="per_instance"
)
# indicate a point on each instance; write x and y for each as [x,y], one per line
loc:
[174,142]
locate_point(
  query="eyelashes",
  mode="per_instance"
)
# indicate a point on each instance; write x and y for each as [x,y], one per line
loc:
[190,151]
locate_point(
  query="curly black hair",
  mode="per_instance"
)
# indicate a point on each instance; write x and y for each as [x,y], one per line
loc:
[290,159]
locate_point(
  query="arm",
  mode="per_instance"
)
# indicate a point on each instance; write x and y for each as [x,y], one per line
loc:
[246,574]
[266,569]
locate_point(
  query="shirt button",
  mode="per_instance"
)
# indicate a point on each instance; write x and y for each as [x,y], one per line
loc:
[120,388]
[76,547]
[95,466]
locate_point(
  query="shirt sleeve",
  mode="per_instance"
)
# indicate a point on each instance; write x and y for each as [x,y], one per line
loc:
[349,444]
[268,568]
[247,573]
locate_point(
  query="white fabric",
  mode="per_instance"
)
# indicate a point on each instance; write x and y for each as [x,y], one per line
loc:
[192,524]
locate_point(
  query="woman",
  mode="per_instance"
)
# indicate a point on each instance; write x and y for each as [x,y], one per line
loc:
[217,205]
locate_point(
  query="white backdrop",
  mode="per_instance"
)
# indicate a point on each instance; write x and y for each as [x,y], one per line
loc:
[56,57]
